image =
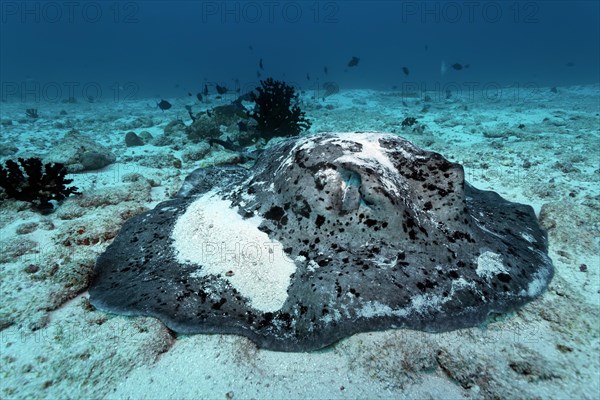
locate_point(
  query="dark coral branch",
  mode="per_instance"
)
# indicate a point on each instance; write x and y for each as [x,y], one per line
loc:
[277,112]
[30,180]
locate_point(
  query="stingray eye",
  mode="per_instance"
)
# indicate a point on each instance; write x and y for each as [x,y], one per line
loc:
[350,199]
[350,191]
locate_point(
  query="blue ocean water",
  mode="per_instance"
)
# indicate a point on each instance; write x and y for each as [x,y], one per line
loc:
[96,72]
[134,49]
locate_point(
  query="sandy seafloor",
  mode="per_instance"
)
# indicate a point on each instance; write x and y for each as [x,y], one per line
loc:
[535,147]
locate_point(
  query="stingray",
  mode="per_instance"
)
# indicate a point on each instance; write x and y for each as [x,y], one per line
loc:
[324,237]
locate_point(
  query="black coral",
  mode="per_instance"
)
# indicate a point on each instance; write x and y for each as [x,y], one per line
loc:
[31,180]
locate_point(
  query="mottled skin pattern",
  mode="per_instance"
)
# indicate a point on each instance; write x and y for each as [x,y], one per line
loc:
[383,235]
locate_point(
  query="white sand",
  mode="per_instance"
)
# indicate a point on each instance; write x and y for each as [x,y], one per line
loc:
[54,348]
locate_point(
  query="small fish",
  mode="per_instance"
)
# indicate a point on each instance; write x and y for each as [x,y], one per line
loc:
[189,93]
[426,47]
[260,64]
[258,74]
[242,126]
[458,66]
[189,110]
[205,91]
[353,62]
[406,71]
[307,76]
[221,89]
[164,105]
[250,47]
[199,96]
[326,70]
[570,64]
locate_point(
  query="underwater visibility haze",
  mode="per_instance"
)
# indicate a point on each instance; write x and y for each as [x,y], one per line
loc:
[299,199]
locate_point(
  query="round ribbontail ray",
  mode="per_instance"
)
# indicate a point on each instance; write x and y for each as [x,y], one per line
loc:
[324,237]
